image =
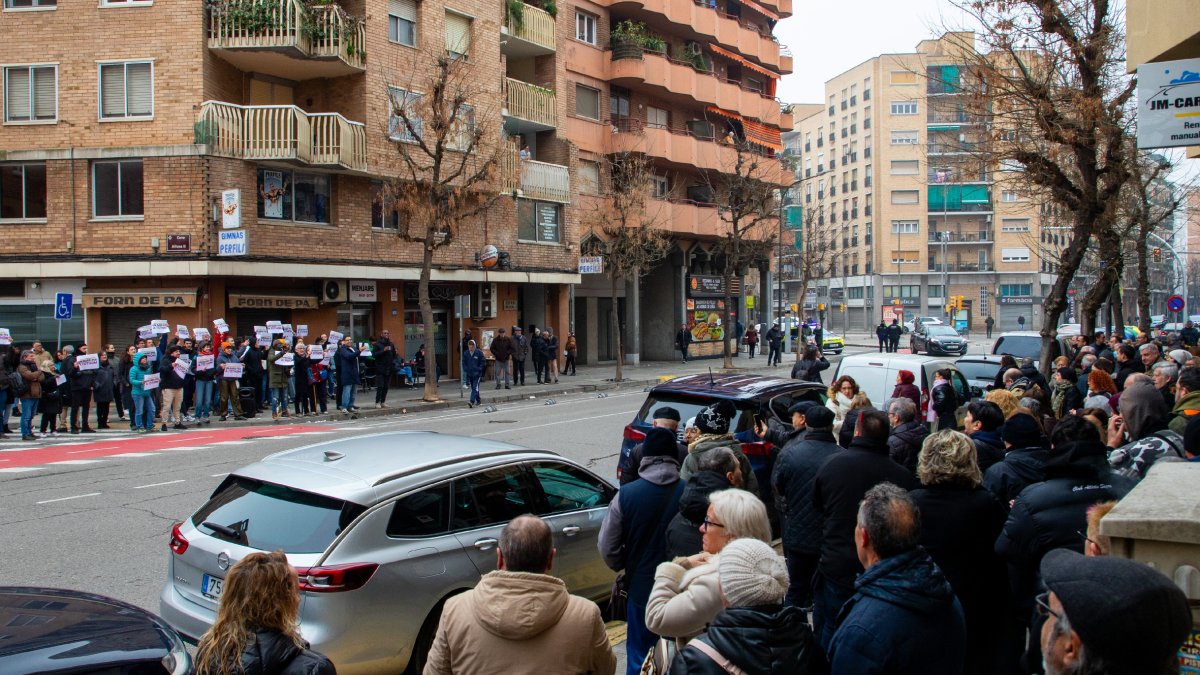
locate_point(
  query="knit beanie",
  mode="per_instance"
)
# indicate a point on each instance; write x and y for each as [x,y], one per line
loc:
[1180,356]
[716,418]
[751,574]
[1021,431]
[907,377]
[659,443]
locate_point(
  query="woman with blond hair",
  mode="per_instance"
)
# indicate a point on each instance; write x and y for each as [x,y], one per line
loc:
[1004,398]
[256,630]
[960,521]
[841,399]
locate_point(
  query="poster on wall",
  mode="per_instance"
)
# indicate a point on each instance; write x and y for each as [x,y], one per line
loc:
[273,191]
[231,208]
[704,319]
[893,312]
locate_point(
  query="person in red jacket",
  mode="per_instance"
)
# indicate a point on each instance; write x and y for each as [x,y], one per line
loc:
[906,389]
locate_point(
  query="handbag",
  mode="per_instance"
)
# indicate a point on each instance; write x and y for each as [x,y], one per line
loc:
[658,660]
[618,599]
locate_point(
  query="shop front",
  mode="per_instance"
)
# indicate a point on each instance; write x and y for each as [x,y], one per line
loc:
[122,311]
[707,316]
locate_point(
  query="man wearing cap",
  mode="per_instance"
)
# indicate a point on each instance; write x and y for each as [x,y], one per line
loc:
[903,616]
[664,417]
[520,353]
[714,422]
[793,478]
[502,351]
[1110,616]
[1024,461]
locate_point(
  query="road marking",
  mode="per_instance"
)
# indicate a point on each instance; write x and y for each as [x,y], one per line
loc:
[231,442]
[136,454]
[170,482]
[21,469]
[550,424]
[107,447]
[79,461]
[63,499]
[185,448]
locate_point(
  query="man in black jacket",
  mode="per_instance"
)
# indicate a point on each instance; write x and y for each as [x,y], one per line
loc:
[982,423]
[881,332]
[81,384]
[894,331]
[252,376]
[840,485]
[1025,462]
[683,338]
[384,351]
[774,338]
[908,433]
[794,478]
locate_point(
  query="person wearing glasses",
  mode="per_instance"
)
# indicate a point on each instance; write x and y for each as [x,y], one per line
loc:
[903,616]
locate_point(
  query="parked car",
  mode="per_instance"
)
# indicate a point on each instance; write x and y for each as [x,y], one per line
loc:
[980,371]
[930,320]
[51,630]
[832,343]
[876,376]
[382,529]
[936,339]
[1069,329]
[1168,328]
[1027,344]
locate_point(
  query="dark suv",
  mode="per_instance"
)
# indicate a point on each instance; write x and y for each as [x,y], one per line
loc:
[936,339]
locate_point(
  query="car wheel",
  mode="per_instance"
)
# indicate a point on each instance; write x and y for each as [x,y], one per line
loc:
[424,641]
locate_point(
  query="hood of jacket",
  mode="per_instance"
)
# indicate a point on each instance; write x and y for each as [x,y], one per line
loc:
[1191,401]
[1078,459]
[269,653]
[659,470]
[910,580]
[1143,409]
[767,639]
[693,503]
[519,605]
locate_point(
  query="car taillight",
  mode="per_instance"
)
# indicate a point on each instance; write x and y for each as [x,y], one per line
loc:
[758,449]
[633,434]
[335,578]
[178,543]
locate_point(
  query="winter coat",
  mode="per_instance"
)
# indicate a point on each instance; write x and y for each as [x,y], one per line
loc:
[474,363]
[571,346]
[752,337]
[277,376]
[223,359]
[385,358]
[909,391]
[207,375]
[683,338]
[302,370]
[1183,411]
[1021,468]
[253,357]
[683,601]
[51,402]
[845,435]
[989,448]
[103,383]
[774,337]
[959,526]
[502,348]
[902,619]
[520,347]
[169,378]
[683,532]
[1124,370]
[630,538]
[1135,458]
[809,370]
[766,640]
[33,376]
[904,444]
[77,380]
[5,369]
[708,442]
[628,467]
[271,653]
[137,374]
[944,402]
[794,479]
[345,359]
[1064,398]
[842,482]
[839,405]
[537,348]
[518,622]
[551,348]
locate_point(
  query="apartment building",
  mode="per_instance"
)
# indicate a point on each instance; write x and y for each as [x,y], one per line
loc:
[895,178]
[136,133]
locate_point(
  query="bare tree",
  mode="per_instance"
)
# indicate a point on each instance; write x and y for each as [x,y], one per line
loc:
[816,256]
[453,165]
[1150,203]
[625,229]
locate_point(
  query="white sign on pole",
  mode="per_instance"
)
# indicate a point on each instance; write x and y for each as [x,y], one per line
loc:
[232,242]
[204,362]
[5,337]
[88,361]
[231,209]
[591,264]
[151,381]
[232,371]
[160,326]
[1168,94]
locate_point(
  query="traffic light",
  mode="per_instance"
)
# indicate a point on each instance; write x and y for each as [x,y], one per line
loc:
[821,307]
[1157,255]
[958,302]
[795,308]
[841,306]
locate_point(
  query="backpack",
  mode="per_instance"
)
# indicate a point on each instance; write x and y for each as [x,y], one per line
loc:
[18,384]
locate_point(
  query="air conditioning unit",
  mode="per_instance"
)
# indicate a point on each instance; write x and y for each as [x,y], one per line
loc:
[483,301]
[333,291]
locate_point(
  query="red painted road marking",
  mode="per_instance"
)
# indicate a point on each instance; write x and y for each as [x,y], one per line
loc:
[153,442]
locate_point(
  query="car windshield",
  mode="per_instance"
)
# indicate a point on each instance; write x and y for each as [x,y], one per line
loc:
[1020,346]
[942,331]
[978,370]
[269,517]
[688,407]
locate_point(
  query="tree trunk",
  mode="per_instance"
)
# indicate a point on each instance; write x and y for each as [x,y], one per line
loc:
[431,388]
[1118,309]
[1143,274]
[1055,304]
[1109,255]
[616,328]
[726,334]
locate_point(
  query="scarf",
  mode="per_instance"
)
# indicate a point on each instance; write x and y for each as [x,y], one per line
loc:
[1058,397]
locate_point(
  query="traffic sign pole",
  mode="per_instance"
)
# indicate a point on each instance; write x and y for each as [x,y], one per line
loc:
[63,304]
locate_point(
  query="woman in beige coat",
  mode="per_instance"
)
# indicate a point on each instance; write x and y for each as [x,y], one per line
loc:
[685,596]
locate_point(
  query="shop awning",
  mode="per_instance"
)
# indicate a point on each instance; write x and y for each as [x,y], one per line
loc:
[734,57]
[724,113]
[761,134]
[760,9]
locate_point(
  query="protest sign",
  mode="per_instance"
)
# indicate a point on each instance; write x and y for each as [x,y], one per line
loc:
[302,330]
[204,362]
[286,360]
[201,334]
[275,326]
[60,380]
[181,368]
[364,349]
[262,339]
[316,353]
[151,381]
[149,352]
[87,361]
[232,371]
[5,337]
[220,325]
[160,326]
[335,337]
[260,329]
[181,331]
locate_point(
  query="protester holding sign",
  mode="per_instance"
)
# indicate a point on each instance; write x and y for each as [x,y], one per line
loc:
[80,385]
[229,369]
[103,390]
[252,359]
[143,402]
[172,389]
[346,361]
[206,371]
[277,375]
[302,377]
[319,374]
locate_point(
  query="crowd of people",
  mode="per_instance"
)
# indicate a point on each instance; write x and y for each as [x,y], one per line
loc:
[917,543]
[509,354]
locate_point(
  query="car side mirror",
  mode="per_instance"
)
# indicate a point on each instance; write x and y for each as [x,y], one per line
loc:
[976,392]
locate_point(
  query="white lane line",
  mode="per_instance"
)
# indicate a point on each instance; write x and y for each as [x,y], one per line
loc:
[135,454]
[550,424]
[107,447]
[22,469]
[231,443]
[63,499]
[184,448]
[312,433]
[79,461]
[219,475]
[170,482]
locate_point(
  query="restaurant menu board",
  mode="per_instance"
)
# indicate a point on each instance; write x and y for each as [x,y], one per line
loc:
[704,319]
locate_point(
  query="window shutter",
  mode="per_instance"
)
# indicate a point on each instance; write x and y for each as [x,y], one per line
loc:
[16,98]
[44,95]
[112,90]
[140,85]
[458,34]
[405,9]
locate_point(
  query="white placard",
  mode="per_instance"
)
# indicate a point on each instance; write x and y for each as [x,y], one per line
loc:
[201,334]
[260,329]
[302,330]
[364,349]
[232,371]
[145,333]
[325,361]
[160,326]
[316,353]
[181,331]
[5,337]
[204,362]
[1168,104]
[184,359]
[149,352]
[287,328]
[151,381]
[335,337]
[232,242]
[231,209]
[220,325]
[181,368]
[87,361]
[287,359]
[60,380]
[274,326]
[262,339]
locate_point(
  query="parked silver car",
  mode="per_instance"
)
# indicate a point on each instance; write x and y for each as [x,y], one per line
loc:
[382,529]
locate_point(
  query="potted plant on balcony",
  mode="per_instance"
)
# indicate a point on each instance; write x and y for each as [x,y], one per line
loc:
[634,33]
[515,15]
[245,17]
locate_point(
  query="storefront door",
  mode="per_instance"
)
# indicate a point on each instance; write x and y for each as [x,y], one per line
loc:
[355,321]
[414,336]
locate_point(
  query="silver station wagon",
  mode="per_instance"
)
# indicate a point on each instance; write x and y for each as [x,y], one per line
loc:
[382,529]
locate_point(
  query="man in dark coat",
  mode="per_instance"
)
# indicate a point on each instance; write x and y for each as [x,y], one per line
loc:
[983,422]
[894,332]
[840,485]
[520,353]
[253,375]
[81,382]
[716,471]
[502,351]
[665,417]
[794,478]
[908,433]
[774,339]
[881,332]
[384,351]
[1025,461]
[346,361]
[683,338]
[537,350]
[903,616]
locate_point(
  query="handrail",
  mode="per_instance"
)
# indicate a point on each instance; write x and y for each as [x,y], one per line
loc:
[542,180]
[336,35]
[323,31]
[282,132]
[530,102]
[537,26]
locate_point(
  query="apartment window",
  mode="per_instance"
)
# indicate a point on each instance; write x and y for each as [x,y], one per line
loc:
[904,107]
[404,122]
[1014,225]
[906,197]
[1016,290]
[585,27]
[464,129]
[538,221]
[458,35]
[384,214]
[906,257]
[22,191]
[903,77]
[292,195]
[1009,196]
[1011,165]
[402,22]
[854,293]
[657,117]
[589,177]
[29,4]
[904,138]
[904,226]
[587,102]
[117,189]
[934,290]
[127,90]
[661,186]
[31,93]
[1019,254]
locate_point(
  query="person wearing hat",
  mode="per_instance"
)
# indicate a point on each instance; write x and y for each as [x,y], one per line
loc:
[714,422]
[1110,615]
[793,478]
[663,417]
[903,616]
[277,377]
[1024,461]
[520,353]
[633,535]
[840,484]
[1181,357]
[755,634]
[502,348]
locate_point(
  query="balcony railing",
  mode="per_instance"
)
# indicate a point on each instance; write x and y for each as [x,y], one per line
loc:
[541,180]
[531,102]
[954,237]
[951,176]
[961,148]
[537,27]
[282,132]
[952,117]
[961,267]
[317,31]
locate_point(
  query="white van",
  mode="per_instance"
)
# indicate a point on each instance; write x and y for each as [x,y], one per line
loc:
[876,377]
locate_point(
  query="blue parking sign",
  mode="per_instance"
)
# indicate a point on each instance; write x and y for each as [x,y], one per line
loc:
[63,304]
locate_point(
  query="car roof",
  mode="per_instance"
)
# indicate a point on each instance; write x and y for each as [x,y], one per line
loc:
[1020,333]
[982,358]
[362,469]
[887,359]
[731,386]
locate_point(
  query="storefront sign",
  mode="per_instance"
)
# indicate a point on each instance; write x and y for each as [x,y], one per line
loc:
[179,243]
[591,264]
[437,292]
[547,222]
[704,317]
[1168,104]
[510,305]
[127,299]
[232,242]
[245,301]
[903,302]
[231,209]
[1016,300]
[362,290]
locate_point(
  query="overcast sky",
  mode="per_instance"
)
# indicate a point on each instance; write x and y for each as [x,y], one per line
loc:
[828,37]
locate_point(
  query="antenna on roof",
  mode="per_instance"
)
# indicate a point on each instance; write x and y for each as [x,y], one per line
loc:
[711,382]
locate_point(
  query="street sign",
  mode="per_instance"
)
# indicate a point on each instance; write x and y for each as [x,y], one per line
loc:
[1175,303]
[63,304]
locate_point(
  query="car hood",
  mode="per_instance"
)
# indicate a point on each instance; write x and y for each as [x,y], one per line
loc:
[518,605]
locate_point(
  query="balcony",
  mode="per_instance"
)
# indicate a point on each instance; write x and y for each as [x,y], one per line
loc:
[961,148]
[534,36]
[947,198]
[282,133]
[287,38]
[528,108]
[961,267]
[690,148]
[960,237]
[697,20]
[952,176]
[685,216]
[954,118]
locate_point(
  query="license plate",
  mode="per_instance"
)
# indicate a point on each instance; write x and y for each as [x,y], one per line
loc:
[211,587]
